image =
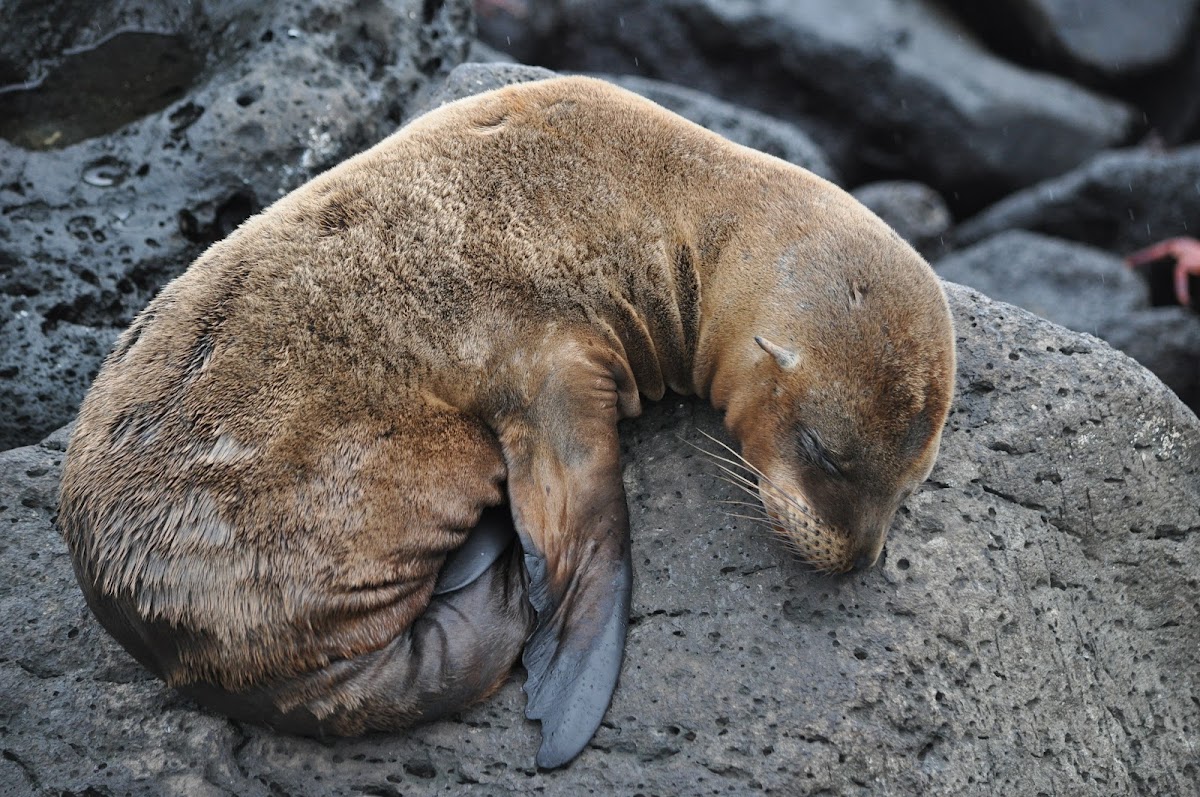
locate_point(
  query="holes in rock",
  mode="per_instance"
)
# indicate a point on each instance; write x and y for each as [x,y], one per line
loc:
[250,96]
[83,228]
[238,207]
[105,172]
[103,310]
[430,9]
[96,90]
[421,769]
[184,117]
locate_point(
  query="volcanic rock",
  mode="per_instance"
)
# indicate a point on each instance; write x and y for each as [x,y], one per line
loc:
[108,191]
[912,209]
[1119,201]
[1033,627]
[1088,290]
[1098,37]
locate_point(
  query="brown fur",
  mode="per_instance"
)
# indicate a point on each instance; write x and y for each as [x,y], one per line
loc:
[275,460]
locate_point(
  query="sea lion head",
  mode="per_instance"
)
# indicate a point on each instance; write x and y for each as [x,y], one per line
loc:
[851,386]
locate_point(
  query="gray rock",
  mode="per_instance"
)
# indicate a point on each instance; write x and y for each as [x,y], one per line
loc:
[1034,626]
[261,97]
[1110,38]
[1118,201]
[49,27]
[1076,286]
[742,125]
[1087,290]
[468,79]
[903,89]
[912,209]
[1167,341]
[737,124]
[484,54]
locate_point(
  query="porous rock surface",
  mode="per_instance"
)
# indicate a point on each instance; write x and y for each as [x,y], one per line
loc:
[1088,290]
[280,90]
[1034,626]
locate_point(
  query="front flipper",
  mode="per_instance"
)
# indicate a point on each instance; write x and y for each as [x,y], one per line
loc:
[574,656]
[568,503]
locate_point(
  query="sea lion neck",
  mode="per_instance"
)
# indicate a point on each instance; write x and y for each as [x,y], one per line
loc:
[751,249]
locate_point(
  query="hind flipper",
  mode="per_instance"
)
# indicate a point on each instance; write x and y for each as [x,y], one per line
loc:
[456,653]
[490,538]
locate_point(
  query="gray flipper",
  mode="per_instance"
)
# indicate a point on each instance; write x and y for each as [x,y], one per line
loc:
[574,655]
[458,651]
[568,504]
[490,537]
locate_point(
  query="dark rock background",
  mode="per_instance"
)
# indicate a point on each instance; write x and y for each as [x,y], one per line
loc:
[1033,627]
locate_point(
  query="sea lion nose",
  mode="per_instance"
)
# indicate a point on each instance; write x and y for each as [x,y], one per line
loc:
[863,562]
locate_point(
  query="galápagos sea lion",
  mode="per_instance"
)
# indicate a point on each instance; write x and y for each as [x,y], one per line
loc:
[273,477]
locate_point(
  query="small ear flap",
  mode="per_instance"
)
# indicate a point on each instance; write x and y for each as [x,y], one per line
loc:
[786,358]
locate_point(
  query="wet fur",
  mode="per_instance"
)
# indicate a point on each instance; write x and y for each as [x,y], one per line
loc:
[280,452]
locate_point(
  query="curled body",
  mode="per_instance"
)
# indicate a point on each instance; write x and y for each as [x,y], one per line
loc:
[441,333]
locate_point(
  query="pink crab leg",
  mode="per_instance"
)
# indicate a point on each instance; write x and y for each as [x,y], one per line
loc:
[1185,251]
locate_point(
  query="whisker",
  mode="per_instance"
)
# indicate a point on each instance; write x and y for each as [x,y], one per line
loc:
[760,521]
[738,460]
[728,448]
[744,462]
[750,504]
[740,479]
[734,463]
[751,510]
[793,504]
[803,533]
[754,471]
[747,490]
[741,461]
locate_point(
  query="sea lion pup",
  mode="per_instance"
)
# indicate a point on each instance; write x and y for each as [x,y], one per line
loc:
[441,334]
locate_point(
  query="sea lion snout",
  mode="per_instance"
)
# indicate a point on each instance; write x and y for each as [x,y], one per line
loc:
[868,545]
[864,561]
[825,538]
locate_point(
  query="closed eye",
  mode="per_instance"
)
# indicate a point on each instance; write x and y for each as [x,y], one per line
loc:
[813,451]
